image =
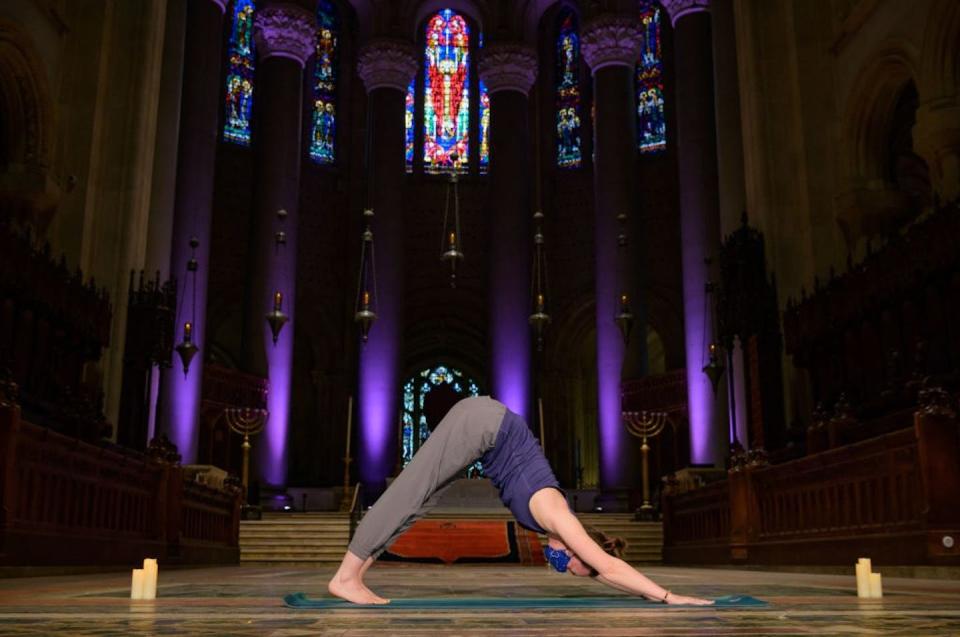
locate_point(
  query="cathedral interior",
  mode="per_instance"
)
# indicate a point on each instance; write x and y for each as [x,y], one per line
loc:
[253,251]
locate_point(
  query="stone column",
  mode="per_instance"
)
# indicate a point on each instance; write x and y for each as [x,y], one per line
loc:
[611,47]
[699,214]
[732,187]
[386,68]
[192,211]
[284,35]
[509,71]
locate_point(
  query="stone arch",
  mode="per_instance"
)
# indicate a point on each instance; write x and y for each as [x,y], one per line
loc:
[871,105]
[417,16]
[872,202]
[940,63]
[26,129]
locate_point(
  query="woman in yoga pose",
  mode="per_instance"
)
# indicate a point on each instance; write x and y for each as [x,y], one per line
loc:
[484,428]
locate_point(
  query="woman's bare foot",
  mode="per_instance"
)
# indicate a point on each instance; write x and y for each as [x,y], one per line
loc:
[353,590]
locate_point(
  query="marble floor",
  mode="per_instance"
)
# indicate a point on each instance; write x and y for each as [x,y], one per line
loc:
[247,601]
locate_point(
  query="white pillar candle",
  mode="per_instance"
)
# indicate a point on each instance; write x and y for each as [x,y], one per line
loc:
[150,578]
[876,586]
[863,577]
[136,584]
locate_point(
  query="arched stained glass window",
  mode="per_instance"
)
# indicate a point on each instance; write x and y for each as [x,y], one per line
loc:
[324,120]
[415,428]
[446,110]
[239,94]
[651,121]
[409,117]
[568,92]
[484,128]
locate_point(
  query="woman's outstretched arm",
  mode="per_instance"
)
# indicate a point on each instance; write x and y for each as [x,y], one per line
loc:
[550,509]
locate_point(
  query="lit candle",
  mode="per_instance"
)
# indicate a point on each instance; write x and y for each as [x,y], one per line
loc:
[366,299]
[863,577]
[876,586]
[277,300]
[187,331]
[624,300]
[453,239]
[149,578]
[540,302]
[136,584]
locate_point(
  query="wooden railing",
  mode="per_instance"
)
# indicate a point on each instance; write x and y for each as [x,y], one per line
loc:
[64,501]
[893,497]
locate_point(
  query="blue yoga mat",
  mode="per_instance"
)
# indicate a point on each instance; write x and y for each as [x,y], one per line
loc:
[300,600]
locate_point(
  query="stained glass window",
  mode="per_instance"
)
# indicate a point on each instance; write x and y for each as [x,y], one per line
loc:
[323,129]
[484,128]
[239,95]
[446,92]
[415,429]
[568,92]
[651,122]
[409,125]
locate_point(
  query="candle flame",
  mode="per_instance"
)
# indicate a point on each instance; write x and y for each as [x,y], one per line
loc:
[277,300]
[453,239]
[187,330]
[366,299]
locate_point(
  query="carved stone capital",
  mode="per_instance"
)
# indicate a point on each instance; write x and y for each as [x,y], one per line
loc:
[508,67]
[611,40]
[679,8]
[387,63]
[936,138]
[285,30]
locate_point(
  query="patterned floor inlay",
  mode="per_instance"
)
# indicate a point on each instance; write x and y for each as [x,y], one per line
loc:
[248,601]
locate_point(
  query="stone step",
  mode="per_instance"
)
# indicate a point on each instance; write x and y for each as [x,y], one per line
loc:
[294,533]
[294,550]
[322,542]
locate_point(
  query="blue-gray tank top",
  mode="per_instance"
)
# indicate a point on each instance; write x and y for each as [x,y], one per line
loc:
[517,467]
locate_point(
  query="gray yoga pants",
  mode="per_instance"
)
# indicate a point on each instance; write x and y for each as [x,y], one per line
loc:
[467,431]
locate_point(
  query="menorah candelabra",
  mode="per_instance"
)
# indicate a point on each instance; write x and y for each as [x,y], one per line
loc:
[247,422]
[645,425]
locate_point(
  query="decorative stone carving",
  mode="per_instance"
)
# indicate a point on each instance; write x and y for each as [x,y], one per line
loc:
[508,67]
[679,8]
[936,138]
[611,40]
[387,64]
[285,30]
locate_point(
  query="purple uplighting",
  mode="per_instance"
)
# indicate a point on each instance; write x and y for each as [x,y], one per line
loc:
[610,350]
[700,396]
[181,405]
[280,367]
[379,389]
[510,346]
[280,357]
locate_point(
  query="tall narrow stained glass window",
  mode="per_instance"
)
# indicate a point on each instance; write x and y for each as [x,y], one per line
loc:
[446,93]
[651,121]
[324,120]
[409,115]
[484,128]
[415,428]
[239,94]
[568,92]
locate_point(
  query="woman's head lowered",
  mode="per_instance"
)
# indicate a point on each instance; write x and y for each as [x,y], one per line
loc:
[564,560]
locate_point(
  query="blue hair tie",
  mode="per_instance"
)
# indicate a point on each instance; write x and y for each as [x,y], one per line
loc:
[557,558]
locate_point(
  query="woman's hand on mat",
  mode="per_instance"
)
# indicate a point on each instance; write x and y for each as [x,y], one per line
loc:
[688,601]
